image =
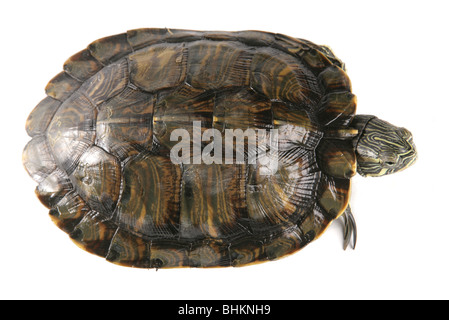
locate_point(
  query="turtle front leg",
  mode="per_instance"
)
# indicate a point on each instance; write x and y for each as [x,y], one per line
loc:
[350,228]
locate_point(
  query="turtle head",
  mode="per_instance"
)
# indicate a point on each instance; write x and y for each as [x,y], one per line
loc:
[382,148]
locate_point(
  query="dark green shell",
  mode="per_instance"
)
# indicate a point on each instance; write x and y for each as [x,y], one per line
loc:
[100,148]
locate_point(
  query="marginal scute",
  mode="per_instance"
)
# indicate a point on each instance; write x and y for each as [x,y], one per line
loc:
[158,67]
[129,250]
[41,166]
[334,196]
[247,251]
[69,211]
[62,86]
[292,45]
[140,38]
[337,109]
[337,158]
[37,159]
[97,179]
[40,117]
[313,224]
[169,254]
[315,59]
[109,49]
[219,36]
[286,243]
[82,65]
[256,38]
[334,79]
[94,234]
[210,254]
[53,188]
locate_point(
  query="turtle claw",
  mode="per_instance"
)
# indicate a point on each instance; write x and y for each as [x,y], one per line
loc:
[350,228]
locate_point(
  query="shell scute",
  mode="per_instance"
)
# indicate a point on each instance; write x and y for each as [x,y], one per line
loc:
[158,67]
[151,196]
[97,179]
[129,250]
[315,59]
[337,158]
[334,196]
[124,123]
[290,44]
[242,110]
[256,38]
[246,252]
[212,201]
[337,109]
[334,79]
[72,131]
[62,86]
[53,188]
[313,224]
[220,36]
[179,109]
[209,254]
[109,49]
[279,199]
[140,38]
[82,65]
[287,243]
[94,234]
[69,211]
[169,254]
[295,127]
[280,76]
[107,83]
[221,64]
[37,159]
[39,119]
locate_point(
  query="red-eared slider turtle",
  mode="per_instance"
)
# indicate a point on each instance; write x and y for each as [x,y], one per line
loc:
[175,148]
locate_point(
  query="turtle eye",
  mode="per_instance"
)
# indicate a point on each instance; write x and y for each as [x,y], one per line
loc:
[388,159]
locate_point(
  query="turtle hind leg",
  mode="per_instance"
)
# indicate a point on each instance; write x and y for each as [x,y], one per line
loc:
[350,228]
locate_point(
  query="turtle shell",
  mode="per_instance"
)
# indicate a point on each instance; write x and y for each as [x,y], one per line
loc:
[102,140]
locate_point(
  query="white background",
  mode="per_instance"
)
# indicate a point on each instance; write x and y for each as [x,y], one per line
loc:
[396,54]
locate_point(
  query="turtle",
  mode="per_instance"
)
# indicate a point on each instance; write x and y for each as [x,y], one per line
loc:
[271,120]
